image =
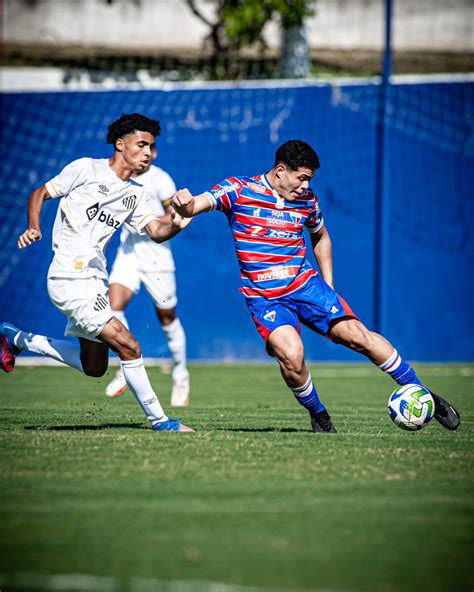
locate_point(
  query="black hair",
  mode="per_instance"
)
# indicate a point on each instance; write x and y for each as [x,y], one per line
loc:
[295,154]
[128,123]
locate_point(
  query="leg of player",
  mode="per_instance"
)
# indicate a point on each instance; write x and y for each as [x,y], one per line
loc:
[14,341]
[119,297]
[287,346]
[354,335]
[124,344]
[176,338]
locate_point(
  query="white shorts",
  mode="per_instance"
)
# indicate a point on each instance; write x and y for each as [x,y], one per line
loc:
[160,285]
[85,302]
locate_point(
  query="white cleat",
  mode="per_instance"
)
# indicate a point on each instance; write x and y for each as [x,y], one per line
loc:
[180,393]
[116,386]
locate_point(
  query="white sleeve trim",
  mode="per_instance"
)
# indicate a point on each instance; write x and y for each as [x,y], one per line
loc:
[144,221]
[318,227]
[212,200]
[51,189]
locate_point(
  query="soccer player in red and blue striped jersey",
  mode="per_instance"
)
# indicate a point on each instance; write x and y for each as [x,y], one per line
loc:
[267,215]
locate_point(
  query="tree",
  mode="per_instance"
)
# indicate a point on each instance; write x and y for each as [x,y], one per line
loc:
[240,23]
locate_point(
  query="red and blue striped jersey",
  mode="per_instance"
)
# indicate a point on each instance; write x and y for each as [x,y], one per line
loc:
[268,234]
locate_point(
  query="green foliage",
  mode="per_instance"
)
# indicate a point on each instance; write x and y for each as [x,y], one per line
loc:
[244,20]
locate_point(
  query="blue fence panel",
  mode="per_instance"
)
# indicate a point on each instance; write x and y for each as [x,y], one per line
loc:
[209,134]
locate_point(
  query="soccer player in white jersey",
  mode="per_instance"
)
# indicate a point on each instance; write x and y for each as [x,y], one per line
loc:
[141,260]
[97,197]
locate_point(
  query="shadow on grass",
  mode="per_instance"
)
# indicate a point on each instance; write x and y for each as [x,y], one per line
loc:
[79,428]
[276,430]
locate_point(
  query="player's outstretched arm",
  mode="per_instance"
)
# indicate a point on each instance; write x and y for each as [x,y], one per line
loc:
[166,227]
[187,205]
[322,248]
[35,205]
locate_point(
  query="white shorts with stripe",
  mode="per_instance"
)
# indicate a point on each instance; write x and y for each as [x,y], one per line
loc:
[85,302]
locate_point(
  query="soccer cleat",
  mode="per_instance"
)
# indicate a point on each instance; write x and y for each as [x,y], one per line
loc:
[445,413]
[117,385]
[180,393]
[321,422]
[9,350]
[171,425]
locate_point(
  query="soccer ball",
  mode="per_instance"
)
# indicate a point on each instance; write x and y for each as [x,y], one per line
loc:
[411,406]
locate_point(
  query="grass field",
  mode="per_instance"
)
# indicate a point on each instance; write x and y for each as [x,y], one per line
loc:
[92,499]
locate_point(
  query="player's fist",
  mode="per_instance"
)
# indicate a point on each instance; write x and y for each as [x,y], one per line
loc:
[29,237]
[182,202]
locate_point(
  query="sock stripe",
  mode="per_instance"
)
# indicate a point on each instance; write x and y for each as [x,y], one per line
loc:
[298,390]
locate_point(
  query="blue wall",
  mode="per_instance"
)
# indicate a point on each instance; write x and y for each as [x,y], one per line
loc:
[209,134]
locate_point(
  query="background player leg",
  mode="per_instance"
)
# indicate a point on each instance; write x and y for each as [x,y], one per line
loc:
[176,338]
[287,346]
[354,335]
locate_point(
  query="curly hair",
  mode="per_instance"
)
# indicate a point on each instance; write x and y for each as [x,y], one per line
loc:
[128,123]
[295,154]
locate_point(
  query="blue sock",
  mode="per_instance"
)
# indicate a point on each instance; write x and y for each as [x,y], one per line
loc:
[401,372]
[307,396]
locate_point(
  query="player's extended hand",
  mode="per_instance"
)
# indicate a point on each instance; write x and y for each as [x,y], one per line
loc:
[28,237]
[179,220]
[182,202]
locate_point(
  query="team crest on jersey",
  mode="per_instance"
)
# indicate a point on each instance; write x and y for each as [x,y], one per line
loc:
[130,201]
[296,218]
[256,188]
[270,316]
[103,189]
[92,211]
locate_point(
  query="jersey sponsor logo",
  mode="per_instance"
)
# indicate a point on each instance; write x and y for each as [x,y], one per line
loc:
[92,211]
[103,189]
[130,201]
[226,189]
[109,220]
[101,303]
[255,230]
[256,188]
[334,309]
[256,212]
[277,221]
[276,273]
[270,316]
[281,234]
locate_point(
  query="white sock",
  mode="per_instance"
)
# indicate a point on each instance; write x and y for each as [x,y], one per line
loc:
[177,345]
[58,349]
[120,315]
[139,383]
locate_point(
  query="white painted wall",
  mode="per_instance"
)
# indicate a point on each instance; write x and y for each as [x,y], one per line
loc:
[168,24]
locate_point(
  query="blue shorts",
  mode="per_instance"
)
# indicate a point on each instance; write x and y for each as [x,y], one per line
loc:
[315,305]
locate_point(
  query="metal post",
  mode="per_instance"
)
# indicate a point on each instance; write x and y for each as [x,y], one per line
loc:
[382,197]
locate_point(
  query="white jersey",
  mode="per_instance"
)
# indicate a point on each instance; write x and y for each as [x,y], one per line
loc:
[94,205]
[152,256]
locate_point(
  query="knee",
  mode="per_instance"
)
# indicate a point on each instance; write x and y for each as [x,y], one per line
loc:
[354,336]
[166,317]
[292,358]
[127,346]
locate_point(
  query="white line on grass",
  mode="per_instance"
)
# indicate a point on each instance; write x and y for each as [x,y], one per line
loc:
[90,583]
